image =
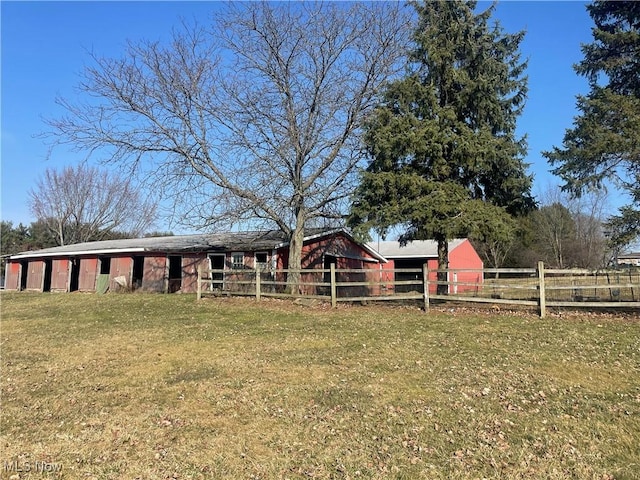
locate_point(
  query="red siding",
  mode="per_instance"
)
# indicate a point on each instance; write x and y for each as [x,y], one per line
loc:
[465,256]
[349,255]
[120,267]
[337,245]
[314,250]
[35,275]
[60,275]
[190,271]
[88,274]
[432,265]
[12,279]
[353,264]
[386,275]
[154,273]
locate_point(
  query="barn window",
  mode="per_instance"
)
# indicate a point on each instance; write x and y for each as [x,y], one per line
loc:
[175,273]
[328,260]
[105,265]
[48,267]
[24,272]
[216,262]
[416,264]
[138,271]
[237,260]
[74,280]
[261,260]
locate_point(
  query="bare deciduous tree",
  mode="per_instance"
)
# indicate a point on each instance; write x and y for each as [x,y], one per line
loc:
[589,212]
[85,204]
[554,233]
[253,121]
[569,229]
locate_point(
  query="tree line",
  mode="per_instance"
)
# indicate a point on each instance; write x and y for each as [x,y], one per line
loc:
[563,232]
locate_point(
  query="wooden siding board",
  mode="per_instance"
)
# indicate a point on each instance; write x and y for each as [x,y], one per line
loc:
[155,270]
[465,256]
[88,274]
[190,264]
[121,266]
[154,273]
[12,276]
[60,275]
[35,275]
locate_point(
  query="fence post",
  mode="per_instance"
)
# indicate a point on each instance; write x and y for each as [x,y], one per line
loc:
[258,283]
[425,286]
[334,290]
[199,283]
[542,295]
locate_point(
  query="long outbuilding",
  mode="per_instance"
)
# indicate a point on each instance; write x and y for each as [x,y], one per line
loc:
[170,264]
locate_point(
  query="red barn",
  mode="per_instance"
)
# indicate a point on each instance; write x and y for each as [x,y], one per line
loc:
[170,264]
[415,254]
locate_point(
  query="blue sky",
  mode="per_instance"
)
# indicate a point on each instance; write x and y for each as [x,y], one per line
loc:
[45,46]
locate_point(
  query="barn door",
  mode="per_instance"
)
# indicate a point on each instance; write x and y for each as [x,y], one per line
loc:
[216,262]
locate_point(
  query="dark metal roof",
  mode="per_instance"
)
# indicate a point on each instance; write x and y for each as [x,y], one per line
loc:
[222,242]
[176,243]
[631,255]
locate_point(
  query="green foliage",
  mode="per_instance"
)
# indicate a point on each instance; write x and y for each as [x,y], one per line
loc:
[494,238]
[38,235]
[445,159]
[614,51]
[523,252]
[604,143]
[623,229]
[10,237]
[23,238]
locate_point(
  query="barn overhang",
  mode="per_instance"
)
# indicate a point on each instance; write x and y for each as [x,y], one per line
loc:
[74,253]
[184,244]
[377,256]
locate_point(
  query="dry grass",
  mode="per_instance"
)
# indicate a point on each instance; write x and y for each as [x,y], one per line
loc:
[159,386]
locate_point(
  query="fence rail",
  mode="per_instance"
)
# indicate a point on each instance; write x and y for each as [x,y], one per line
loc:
[537,287]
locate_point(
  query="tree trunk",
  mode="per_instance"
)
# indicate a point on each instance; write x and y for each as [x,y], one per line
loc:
[295,255]
[443,264]
[60,233]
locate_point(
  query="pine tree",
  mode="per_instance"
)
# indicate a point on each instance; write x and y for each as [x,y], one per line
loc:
[604,143]
[445,161]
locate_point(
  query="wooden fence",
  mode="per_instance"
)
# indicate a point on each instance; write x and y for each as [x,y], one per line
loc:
[539,288]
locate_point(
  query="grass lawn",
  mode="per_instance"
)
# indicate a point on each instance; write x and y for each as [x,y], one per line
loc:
[159,386]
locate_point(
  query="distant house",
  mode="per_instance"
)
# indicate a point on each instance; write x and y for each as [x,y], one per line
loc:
[169,264]
[415,254]
[631,259]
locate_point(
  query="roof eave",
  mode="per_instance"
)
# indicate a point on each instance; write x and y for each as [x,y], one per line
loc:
[393,257]
[76,252]
[369,250]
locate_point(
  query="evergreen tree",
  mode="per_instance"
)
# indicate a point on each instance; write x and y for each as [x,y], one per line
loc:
[445,158]
[604,143]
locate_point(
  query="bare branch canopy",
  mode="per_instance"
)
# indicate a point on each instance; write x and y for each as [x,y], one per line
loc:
[82,204]
[254,118]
